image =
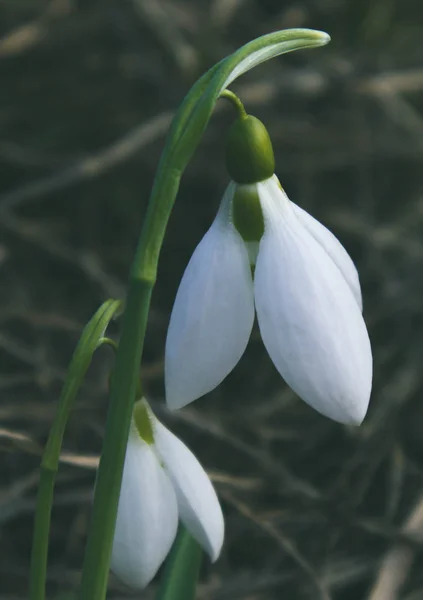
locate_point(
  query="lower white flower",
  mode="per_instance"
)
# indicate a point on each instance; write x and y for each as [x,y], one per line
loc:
[162,482]
[263,252]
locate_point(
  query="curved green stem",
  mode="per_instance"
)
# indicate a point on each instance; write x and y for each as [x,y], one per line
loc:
[233,98]
[105,341]
[80,362]
[187,128]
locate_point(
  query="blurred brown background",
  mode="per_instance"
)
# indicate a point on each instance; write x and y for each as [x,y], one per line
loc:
[314,510]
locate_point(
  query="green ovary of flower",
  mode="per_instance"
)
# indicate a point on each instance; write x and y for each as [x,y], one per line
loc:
[249,151]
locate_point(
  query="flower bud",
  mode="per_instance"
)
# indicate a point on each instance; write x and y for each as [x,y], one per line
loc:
[249,151]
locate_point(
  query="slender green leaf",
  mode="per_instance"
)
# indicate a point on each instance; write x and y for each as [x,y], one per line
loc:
[88,342]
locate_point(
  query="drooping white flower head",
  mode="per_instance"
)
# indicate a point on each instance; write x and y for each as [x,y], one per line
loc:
[162,482]
[267,254]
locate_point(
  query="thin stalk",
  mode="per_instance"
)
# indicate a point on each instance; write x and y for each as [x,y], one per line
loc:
[80,362]
[236,102]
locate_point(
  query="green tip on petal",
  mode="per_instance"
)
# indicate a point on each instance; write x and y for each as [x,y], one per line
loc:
[247,215]
[143,422]
[249,151]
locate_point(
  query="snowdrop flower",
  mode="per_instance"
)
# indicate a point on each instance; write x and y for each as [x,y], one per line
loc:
[264,253]
[162,483]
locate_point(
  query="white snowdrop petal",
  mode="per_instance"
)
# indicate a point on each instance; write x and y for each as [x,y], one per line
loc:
[213,313]
[309,320]
[147,518]
[334,248]
[199,507]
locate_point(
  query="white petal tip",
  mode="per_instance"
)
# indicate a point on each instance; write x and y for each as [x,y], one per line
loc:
[131,576]
[352,415]
[356,418]
[175,402]
[213,535]
[213,314]
[309,319]
[147,517]
[351,421]
[199,508]
[214,552]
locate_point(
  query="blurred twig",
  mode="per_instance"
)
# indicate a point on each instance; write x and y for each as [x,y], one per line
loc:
[222,12]
[397,562]
[29,356]
[286,544]
[162,23]
[274,468]
[90,167]
[86,262]
[410,80]
[25,36]
[10,439]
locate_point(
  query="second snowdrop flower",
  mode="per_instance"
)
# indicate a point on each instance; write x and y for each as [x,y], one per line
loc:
[265,253]
[162,483]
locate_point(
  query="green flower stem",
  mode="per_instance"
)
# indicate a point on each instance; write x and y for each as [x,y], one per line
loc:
[185,133]
[81,359]
[182,569]
[123,393]
[233,98]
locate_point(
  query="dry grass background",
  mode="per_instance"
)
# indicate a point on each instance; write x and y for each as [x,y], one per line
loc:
[314,510]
